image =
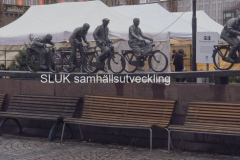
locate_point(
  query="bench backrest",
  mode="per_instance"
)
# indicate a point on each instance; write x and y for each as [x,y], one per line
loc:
[44,105]
[149,110]
[213,113]
[2,97]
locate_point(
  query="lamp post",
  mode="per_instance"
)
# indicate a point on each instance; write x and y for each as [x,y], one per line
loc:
[194,36]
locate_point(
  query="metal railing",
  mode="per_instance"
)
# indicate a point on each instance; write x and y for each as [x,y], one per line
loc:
[5,56]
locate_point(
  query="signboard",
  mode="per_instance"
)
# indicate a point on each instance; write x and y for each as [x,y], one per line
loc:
[205,43]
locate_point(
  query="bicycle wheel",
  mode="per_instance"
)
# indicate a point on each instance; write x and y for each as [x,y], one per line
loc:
[129,57]
[218,55]
[55,63]
[33,62]
[90,62]
[158,61]
[65,64]
[116,63]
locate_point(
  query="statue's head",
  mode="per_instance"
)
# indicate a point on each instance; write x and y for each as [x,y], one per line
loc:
[86,26]
[136,22]
[105,22]
[48,37]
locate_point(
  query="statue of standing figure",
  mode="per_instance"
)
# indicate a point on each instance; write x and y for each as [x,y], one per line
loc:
[100,35]
[136,41]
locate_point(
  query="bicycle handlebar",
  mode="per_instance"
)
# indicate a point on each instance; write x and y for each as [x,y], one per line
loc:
[146,43]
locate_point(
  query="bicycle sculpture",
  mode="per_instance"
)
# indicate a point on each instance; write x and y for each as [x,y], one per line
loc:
[220,57]
[53,60]
[78,60]
[141,50]
[157,60]
[225,56]
[114,61]
[40,56]
[89,63]
[92,59]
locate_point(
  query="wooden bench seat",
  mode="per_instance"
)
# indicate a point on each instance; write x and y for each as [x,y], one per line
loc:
[210,118]
[2,100]
[124,112]
[50,108]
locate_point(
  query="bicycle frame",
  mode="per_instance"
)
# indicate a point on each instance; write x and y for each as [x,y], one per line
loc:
[49,52]
[223,56]
[135,63]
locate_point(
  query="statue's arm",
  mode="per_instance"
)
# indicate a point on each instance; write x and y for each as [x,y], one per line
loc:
[85,39]
[51,43]
[74,36]
[107,35]
[38,43]
[95,34]
[131,32]
[230,28]
[145,37]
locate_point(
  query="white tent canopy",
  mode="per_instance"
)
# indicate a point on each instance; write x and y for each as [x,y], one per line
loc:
[62,18]
[155,16]
[203,20]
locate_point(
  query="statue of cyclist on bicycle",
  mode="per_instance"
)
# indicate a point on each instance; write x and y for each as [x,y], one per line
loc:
[229,34]
[75,40]
[103,42]
[38,45]
[136,41]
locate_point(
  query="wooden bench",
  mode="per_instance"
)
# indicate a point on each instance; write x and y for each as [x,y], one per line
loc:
[123,112]
[2,100]
[51,108]
[210,118]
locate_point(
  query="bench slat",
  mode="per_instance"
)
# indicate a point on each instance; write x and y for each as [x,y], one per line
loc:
[2,98]
[42,102]
[213,104]
[138,106]
[211,117]
[28,106]
[122,110]
[120,118]
[127,98]
[130,114]
[23,106]
[130,118]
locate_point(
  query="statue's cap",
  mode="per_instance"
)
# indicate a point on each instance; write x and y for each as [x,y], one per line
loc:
[106,19]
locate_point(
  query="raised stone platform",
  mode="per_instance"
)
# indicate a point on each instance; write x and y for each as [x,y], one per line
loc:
[183,92]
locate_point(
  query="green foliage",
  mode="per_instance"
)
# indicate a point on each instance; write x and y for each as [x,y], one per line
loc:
[13,66]
[234,79]
[19,64]
[2,66]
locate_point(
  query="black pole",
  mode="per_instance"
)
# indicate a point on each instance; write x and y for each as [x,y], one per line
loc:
[194,36]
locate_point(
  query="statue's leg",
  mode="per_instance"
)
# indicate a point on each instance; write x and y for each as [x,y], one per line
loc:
[234,43]
[138,55]
[72,54]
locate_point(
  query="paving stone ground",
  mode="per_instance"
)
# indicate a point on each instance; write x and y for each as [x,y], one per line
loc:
[29,148]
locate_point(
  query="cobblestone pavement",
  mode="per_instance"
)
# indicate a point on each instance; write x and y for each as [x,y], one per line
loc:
[28,148]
